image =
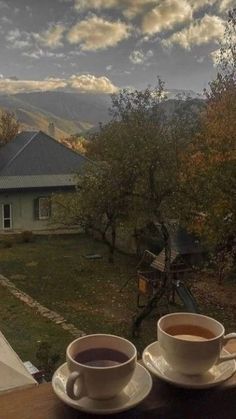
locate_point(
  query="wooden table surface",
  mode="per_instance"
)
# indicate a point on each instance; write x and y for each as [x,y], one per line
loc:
[164,402]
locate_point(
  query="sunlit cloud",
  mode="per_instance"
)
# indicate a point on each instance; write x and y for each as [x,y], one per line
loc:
[96,33]
[52,37]
[166,15]
[80,83]
[90,83]
[226,5]
[129,8]
[139,57]
[202,31]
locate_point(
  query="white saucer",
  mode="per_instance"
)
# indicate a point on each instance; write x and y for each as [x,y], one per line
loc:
[137,389]
[156,364]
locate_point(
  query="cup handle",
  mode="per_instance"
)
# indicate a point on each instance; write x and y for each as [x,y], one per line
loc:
[226,338]
[70,390]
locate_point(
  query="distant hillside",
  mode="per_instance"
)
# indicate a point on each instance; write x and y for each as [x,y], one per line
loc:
[70,112]
[76,113]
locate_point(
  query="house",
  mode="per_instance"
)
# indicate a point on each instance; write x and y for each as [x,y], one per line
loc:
[32,167]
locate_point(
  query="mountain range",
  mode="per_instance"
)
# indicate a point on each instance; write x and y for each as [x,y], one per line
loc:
[71,113]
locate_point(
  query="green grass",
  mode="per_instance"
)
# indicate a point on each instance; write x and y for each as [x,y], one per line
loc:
[54,271]
[25,329]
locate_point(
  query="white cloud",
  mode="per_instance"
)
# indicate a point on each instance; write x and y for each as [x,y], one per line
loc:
[18,39]
[202,31]
[90,83]
[139,57]
[166,15]
[39,53]
[96,33]
[5,19]
[200,59]
[130,8]
[226,5]
[10,86]
[81,83]
[52,37]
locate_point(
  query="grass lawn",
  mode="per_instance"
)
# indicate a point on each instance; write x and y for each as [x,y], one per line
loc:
[25,330]
[54,271]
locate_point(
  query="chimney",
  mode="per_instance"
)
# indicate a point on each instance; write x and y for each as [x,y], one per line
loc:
[51,129]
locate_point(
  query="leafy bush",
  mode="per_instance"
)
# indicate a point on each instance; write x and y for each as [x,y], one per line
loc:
[26,236]
[7,243]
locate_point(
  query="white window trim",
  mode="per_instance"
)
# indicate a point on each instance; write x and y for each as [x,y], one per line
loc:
[3,218]
[43,217]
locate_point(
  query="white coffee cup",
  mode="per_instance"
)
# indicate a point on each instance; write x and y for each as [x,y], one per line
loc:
[99,382]
[187,353]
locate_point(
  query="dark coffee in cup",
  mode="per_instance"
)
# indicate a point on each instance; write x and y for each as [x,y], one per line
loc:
[101,357]
[100,366]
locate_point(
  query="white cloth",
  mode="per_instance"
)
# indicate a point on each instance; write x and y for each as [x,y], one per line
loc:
[13,373]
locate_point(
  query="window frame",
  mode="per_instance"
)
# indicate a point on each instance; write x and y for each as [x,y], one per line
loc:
[40,216]
[7,218]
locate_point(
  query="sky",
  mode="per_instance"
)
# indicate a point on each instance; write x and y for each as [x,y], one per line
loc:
[103,45]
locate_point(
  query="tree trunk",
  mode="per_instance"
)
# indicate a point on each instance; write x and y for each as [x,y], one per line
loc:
[137,242]
[112,244]
[164,288]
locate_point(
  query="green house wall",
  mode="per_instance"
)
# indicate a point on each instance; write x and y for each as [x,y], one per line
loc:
[23,216]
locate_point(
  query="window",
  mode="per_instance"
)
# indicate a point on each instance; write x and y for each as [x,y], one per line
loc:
[42,208]
[7,216]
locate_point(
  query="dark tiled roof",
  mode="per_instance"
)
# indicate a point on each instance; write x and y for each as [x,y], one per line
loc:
[36,153]
[11,149]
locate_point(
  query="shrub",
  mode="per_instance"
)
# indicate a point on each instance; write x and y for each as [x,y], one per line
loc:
[7,243]
[26,236]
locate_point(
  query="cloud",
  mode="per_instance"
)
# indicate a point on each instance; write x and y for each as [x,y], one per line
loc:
[39,53]
[3,5]
[10,86]
[18,39]
[90,83]
[202,31]
[200,59]
[226,5]
[5,19]
[52,37]
[80,83]
[130,8]
[96,33]
[166,15]
[139,57]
